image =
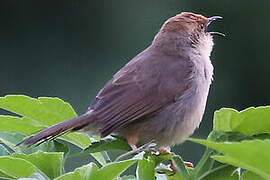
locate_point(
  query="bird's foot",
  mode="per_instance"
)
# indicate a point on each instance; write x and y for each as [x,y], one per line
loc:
[151,147]
[164,150]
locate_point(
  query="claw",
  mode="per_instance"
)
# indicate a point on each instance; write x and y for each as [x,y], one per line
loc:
[164,150]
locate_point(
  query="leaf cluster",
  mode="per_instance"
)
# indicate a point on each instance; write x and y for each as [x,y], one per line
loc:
[237,148]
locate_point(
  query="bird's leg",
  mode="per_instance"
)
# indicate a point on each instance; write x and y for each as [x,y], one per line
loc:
[132,141]
[164,150]
[150,146]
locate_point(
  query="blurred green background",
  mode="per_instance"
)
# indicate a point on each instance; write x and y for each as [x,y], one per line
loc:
[69,49]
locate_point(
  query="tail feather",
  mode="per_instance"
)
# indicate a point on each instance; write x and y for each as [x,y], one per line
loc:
[59,129]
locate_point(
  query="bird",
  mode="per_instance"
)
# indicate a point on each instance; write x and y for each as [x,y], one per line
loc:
[159,95]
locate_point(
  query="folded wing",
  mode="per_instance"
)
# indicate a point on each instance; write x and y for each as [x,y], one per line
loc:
[147,83]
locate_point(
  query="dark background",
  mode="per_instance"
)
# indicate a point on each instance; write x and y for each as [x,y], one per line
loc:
[69,49]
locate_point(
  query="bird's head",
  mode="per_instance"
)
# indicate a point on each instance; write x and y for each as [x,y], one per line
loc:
[186,30]
[190,24]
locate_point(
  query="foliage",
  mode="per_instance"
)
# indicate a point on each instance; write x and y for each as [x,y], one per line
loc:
[236,148]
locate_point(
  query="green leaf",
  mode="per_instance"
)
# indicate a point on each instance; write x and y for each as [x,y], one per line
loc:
[224,172]
[16,167]
[204,165]
[45,110]
[5,176]
[109,143]
[251,121]
[79,139]
[176,176]
[248,175]
[91,171]
[158,158]
[164,169]
[171,176]
[113,170]
[52,146]
[101,157]
[146,169]
[22,125]
[252,155]
[3,151]
[87,172]
[208,168]
[38,176]
[50,164]
[221,136]
[161,177]
[10,139]
[180,166]
[164,172]
[39,114]
[35,176]
[128,178]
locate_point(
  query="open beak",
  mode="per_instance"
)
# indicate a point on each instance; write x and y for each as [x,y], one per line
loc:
[212,19]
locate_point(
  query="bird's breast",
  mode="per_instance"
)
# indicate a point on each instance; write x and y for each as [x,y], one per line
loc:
[185,114]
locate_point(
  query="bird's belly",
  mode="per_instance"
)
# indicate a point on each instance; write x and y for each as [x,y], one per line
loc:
[186,115]
[176,121]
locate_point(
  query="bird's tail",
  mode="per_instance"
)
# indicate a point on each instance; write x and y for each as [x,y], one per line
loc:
[59,129]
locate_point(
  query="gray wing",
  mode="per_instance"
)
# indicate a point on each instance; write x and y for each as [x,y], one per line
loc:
[148,82]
